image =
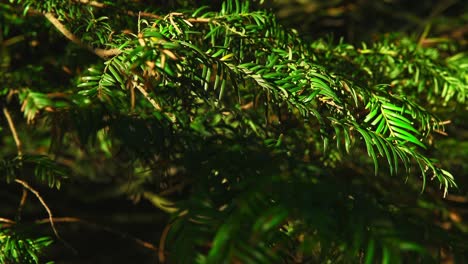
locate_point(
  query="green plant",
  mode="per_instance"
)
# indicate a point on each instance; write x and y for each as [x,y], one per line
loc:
[21,248]
[261,146]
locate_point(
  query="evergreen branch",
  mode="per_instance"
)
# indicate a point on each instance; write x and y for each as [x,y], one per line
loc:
[145,14]
[102,53]
[128,12]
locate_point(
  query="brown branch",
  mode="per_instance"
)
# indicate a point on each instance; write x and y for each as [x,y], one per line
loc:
[92,3]
[106,53]
[176,188]
[162,242]
[103,53]
[138,241]
[49,212]
[144,14]
[13,40]
[13,132]
[20,154]
[152,101]
[24,196]
[171,15]
[457,198]
[247,106]
[38,196]
[7,221]
[128,12]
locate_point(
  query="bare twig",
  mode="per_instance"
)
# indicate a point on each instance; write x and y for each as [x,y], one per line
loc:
[7,221]
[176,188]
[146,95]
[123,235]
[49,212]
[457,198]
[103,53]
[13,40]
[162,242]
[445,122]
[24,196]
[92,3]
[247,106]
[13,132]
[138,241]
[152,101]
[128,12]
[38,196]
[171,15]
[443,133]
[437,10]
[144,14]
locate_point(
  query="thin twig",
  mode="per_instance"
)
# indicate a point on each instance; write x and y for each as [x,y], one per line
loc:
[138,241]
[152,101]
[176,188]
[143,14]
[13,132]
[92,3]
[171,15]
[38,196]
[24,196]
[128,12]
[106,53]
[103,53]
[162,242]
[7,221]
[457,198]
[146,95]
[443,133]
[123,235]
[49,212]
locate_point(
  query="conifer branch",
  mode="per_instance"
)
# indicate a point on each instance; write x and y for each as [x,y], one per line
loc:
[103,53]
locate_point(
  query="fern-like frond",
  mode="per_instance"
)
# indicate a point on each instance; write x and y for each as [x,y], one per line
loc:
[37,167]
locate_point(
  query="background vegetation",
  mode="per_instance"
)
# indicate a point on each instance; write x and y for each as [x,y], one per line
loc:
[233,132]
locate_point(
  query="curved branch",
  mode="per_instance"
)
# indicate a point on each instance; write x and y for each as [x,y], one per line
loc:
[141,14]
[162,242]
[24,196]
[49,212]
[7,221]
[68,219]
[103,53]
[138,241]
[38,196]
[13,131]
